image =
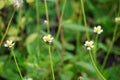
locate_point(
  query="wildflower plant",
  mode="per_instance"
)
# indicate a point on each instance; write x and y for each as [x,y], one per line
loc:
[10,44]
[49,39]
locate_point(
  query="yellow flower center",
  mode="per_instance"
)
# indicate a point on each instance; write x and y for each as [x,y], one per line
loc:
[89,44]
[48,38]
[29,1]
[9,44]
[97,29]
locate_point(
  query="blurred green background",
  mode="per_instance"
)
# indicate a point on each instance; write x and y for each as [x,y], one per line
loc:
[70,57]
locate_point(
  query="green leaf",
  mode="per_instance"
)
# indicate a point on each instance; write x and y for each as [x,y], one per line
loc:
[31,38]
[75,27]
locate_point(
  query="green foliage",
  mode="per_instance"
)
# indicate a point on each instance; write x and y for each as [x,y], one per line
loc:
[70,57]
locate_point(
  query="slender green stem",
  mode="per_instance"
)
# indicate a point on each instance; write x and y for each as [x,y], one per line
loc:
[84,18]
[95,48]
[37,14]
[51,63]
[59,26]
[17,64]
[111,45]
[7,29]
[97,70]
[46,8]
[113,40]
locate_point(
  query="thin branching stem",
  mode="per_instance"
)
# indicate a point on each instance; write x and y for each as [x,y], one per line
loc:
[60,21]
[111,45]
[95,48]
[7,28]
[92,59]
[47,16]
[37,13]
[113,39]
[84,18]
[51,63]
[16,64]
[97,70]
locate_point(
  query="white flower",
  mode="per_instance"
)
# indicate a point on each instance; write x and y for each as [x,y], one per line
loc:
[89,44]
[48,38]
[117,19]
[17,3]
[45,22]
[98,29]
[29,79]
[9,43]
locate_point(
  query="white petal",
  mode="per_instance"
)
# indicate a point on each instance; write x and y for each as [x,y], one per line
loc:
[5,45]
[99,26]
[52,38]
[92,46]
[91,42]
[13,44]
[88,48]
[8,41]
[44,38]
[11,41]
[49,35]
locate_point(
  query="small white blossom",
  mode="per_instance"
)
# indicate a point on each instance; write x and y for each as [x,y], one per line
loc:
[48,38]
[45,22]
[29,79]
[98,29]
[117,19]
[9,43]
[89,44]
[17,3]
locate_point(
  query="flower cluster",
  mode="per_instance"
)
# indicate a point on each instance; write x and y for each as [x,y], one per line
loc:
[9,43]
[89,44]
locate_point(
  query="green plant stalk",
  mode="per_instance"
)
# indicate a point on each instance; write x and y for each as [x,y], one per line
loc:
[111,45]
[17,64]
[46,8]
[95,48]
[84,18]
[7,29]
[113,40]
[98,72]
[59,26]
[37,13]
[51,62]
